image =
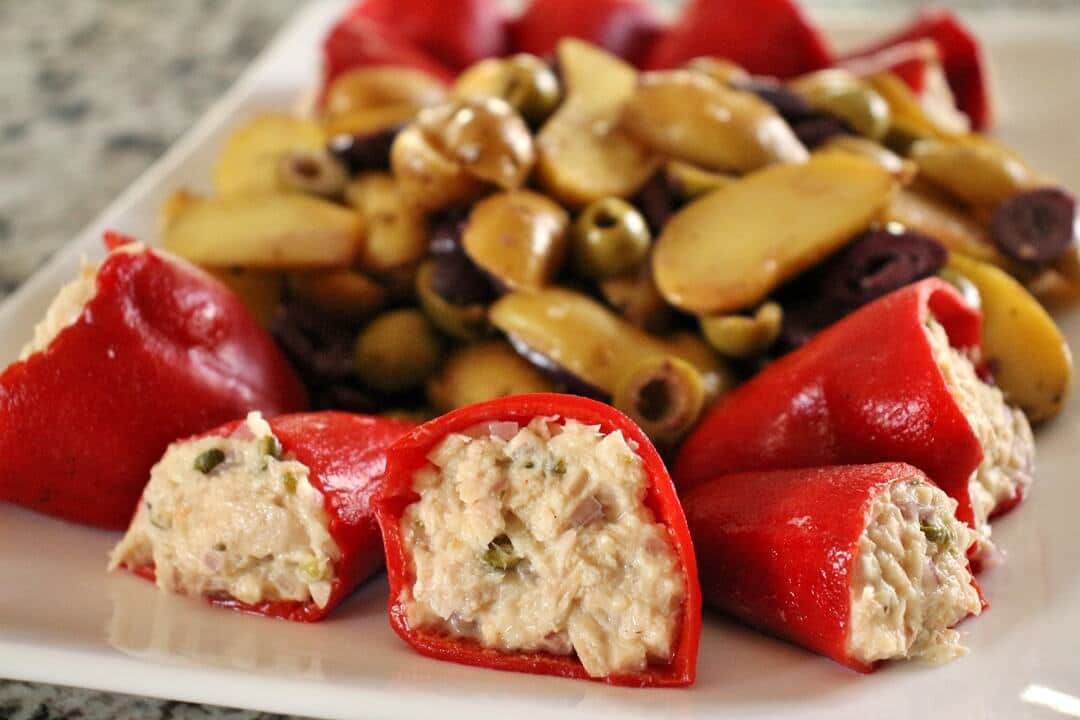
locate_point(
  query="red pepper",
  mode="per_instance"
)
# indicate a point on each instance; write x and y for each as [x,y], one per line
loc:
[911,61]
[357,42]
[346,457]
[777,550]
[161,351]
[766,37]
[867,389]
[627,28]
[961,56]
[457,33]
[410,454]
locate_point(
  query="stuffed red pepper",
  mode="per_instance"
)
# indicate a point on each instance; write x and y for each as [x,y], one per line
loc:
[861,563]
[269,517]
[133,354]
[541,534]
[896,380]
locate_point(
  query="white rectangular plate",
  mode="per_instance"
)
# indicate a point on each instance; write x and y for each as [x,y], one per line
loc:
[64,620]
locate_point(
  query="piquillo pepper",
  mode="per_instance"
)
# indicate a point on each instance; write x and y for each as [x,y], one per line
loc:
[145,350]
[893,381]
[273,472]
[522,506]
[813,556]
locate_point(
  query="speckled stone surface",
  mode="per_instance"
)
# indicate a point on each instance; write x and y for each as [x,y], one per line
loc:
[91,93]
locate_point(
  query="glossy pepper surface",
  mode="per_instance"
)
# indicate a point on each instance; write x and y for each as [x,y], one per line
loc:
[410,455]
[357,42]
[346,457]
[777,550]
[627,28]
[162,350]
[867,389]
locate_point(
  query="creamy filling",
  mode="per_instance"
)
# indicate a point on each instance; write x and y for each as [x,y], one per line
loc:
[64,310]
[1007,467]
[912,581]
[537,538]
[232,516]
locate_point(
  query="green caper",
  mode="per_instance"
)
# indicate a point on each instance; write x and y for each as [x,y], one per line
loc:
[313,172]
[937,534]
[271,446]
[968,290]
[500,554]
[463,322]
[207,460]
[610,238]
[741,335]
[290,482]
[398,351]
[664,395]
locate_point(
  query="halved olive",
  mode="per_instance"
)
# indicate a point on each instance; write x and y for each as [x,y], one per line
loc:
[1037,226]
[663,395]
[466,321]
[398,351]
[741,336]
[610,238]
[315,173]
[518,237]
[484,371]
[525,81]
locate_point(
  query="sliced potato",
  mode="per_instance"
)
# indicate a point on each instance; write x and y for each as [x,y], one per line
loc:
[396,231]
[261,292]
[932,215]
[344,294]
[485,371]
[901,168]
[519,237]
[728,250]
[1025,350]
[689,116]
[366,88]
[586,339]
[268,231]
[248,162]
[582,154]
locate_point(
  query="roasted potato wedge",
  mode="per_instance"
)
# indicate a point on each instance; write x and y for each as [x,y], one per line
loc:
[1023,347]
[728,250]
[248,162]
[267,231]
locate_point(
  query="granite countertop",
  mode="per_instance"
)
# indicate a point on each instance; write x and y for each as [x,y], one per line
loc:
[91,92]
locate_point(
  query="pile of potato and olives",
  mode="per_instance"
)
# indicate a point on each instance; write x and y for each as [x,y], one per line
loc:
[645,238]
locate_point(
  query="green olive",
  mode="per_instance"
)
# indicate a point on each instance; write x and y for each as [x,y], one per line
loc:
[610,238]
[398,351]
[743,336]
[842,94]
[663,395]
[464,322]
[313,172]
[525,81]
[484,371]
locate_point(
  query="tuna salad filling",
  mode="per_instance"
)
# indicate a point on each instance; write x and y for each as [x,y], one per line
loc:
[537,538]
[1003,431]
[64,310]
[234,517]
[912,581]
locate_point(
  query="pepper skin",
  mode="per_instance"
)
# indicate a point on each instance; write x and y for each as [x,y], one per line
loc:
[163,350]
[777,550]
[627,28]
[866,389]
[962,58]
[346,457]
[410,454]
[911,61]
[766,37]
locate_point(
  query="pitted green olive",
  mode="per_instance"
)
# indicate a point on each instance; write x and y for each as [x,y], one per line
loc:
[722,71]
[344,294]
[584,338]
[841,94]
[692,117]
[691,182]
[398,351]
[464,322]
[900,168]
[610,238]
[396,234]
[427,177]
[485,136]
[663,395]
[485,371]
[312,172]
[525,81]
[519,237]
[979,173]
[635,297]
[741,336]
